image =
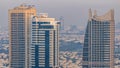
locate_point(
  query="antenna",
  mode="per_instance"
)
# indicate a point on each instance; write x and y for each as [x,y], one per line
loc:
[95,13]
[62,22]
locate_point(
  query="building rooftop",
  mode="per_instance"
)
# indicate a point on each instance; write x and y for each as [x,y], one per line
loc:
[106,17]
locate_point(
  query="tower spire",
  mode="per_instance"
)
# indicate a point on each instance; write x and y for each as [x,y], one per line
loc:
[95,13]
[112,14]
[90,13]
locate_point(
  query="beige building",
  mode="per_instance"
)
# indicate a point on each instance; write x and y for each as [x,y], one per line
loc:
[19,21]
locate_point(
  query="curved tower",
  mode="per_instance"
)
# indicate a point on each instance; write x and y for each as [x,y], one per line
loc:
[98,50]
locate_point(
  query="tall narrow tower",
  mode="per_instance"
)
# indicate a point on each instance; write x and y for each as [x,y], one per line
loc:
[98,50]
[44,48]
[19,20]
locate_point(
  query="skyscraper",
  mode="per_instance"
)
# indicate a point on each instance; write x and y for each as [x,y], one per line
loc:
[19,20]
[98,50]
[44,48]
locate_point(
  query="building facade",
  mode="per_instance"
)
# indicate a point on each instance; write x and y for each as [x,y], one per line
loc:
[98,50]
[44,48]
[19,20]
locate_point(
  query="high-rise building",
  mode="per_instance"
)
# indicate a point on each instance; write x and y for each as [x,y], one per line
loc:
[44,48]
[98,50]
[19,21]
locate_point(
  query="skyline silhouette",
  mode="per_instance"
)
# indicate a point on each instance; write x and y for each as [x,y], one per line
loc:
[75,12]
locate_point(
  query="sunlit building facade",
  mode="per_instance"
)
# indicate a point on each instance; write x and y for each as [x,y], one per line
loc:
[98,50]
[19,21]
[44,48]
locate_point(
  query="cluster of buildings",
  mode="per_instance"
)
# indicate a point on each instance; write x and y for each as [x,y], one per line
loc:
[71,33]
[4,45]
[34,41]
[70,60]
[4,60]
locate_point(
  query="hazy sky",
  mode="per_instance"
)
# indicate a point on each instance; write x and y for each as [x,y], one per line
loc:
[75,12]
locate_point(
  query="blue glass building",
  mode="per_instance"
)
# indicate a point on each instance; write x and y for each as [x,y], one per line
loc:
[44,48]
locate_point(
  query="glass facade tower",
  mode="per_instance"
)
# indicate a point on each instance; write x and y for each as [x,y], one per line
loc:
[98,50]
[44,48]
[19,20]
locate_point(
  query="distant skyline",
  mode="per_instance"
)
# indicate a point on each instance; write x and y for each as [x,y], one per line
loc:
[75,12]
